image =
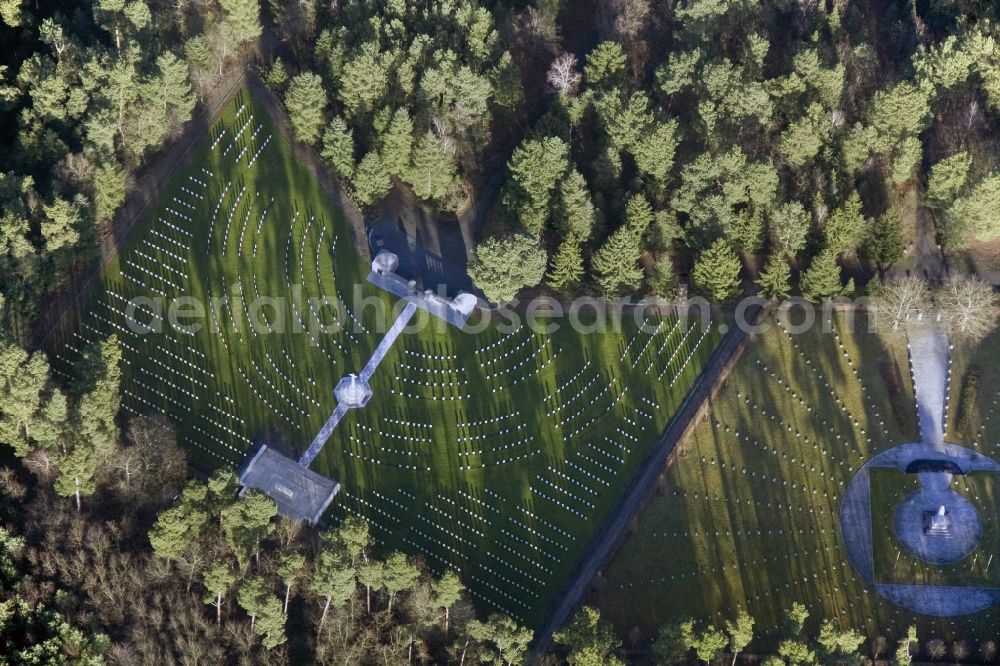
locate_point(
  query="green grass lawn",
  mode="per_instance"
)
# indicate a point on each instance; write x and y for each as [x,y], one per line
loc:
[748,514]
[498,454]
[895,564]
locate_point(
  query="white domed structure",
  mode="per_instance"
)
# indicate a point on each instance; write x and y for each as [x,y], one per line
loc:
[465,303]
[385,262]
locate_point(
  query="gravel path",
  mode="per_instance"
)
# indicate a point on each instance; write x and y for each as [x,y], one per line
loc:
[929,360]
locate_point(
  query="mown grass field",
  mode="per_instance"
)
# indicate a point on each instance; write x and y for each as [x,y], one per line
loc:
[498,453]
[894,563]
[748,516]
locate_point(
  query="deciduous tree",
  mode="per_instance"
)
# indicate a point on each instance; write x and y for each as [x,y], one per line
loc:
[589,638]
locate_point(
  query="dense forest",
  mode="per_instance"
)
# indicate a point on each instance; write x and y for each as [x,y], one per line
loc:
[623,147]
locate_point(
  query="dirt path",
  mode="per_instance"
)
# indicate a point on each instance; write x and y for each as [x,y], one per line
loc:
[602,548]
[929,259]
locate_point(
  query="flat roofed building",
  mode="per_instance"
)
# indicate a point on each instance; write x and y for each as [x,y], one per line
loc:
[299,492]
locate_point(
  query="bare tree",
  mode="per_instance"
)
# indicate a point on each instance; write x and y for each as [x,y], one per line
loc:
[893,304]
[970,307]
[564,77]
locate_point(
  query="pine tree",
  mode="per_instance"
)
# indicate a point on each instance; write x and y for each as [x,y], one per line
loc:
[567,265]
[400,575]
[504,266]
[176,97]
[333,580]
[776,277]
[277,77]
[605,65]
[176,529]
[662,278]
[77,472]
[218,579]
[590,639]
[447,590]
[575,212]
[264,609]
[246,523]
[433,173]
[537,167]
[289,568]
[371,179]
[306,103]
[847,226]
[338,148]
[654,151]
[716,273]
[243,18]
[396,145]
[616,263]
[822,278]
[885,240]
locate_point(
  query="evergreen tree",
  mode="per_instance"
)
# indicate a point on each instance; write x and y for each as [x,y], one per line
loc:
[218,579]
[501,639]
[306,103]
[338,148]
[775,278]
[903,656]
[333,580]
[371,179]
[567,265]
[616,264]
[447,590]
[662,279]
[289,569]
[277,77]
[504,266]
[264,609]
[946,180]
[822,278]
[740,633]
[716,273]
[537,166]
[605,66]
[885,240]
[246,522]
[400,575]
[396,145]
[846,227]
[174,86]
[372,576]
[654,151]
[575,212]
[433,173]
[242,18]
[176,529]
[77,472]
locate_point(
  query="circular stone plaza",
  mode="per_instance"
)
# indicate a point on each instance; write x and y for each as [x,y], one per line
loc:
[934,522]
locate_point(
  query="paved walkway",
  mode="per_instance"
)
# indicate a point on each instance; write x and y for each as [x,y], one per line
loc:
[929,354]
[383,348]
[856,526]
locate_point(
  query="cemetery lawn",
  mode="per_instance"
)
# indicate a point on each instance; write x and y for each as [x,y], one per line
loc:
[498,454]
[895,564]
[748,514]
